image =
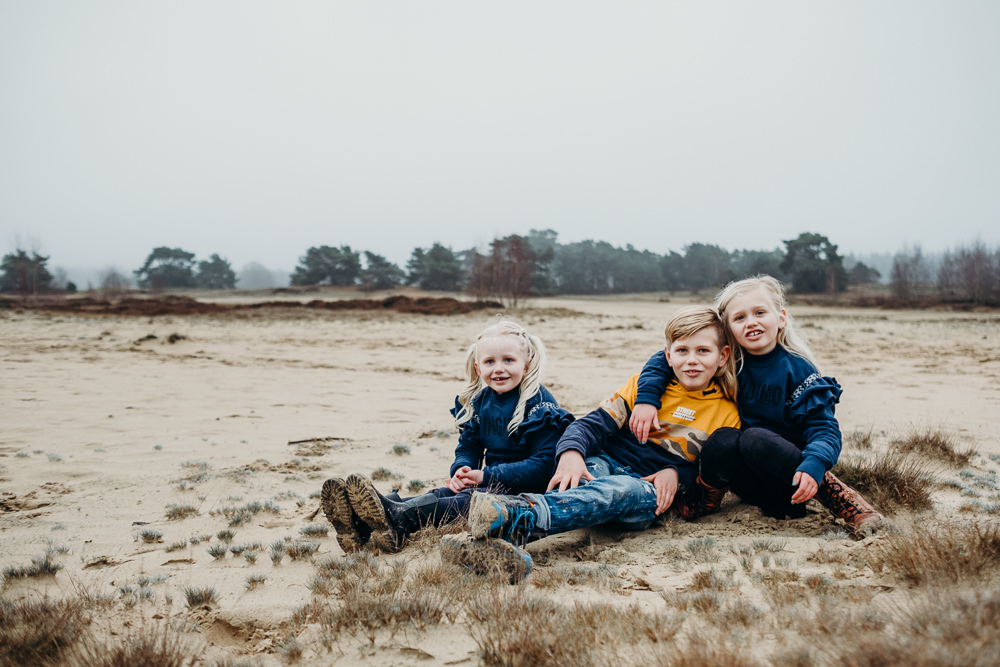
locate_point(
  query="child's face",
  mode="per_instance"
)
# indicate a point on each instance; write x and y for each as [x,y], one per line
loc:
[697,358]
[754,322]
[501,363]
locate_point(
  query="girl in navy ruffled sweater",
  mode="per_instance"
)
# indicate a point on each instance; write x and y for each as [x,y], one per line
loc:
[508,428]
[790,437]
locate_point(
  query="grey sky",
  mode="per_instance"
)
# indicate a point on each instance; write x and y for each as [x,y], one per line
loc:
[256,130]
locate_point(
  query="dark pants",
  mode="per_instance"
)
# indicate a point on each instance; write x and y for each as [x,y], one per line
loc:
[450,505]
[757,465]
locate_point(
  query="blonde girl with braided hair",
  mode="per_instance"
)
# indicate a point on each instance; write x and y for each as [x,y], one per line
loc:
[508,425]
[790,436]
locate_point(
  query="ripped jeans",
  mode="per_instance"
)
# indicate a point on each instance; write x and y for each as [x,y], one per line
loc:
[617,497]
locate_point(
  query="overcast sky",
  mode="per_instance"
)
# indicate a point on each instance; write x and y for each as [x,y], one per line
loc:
[256,130]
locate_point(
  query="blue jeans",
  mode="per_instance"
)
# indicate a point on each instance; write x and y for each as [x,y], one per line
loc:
[617,496]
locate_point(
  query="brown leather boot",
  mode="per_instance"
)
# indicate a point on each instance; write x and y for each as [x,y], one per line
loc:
[702,500]
[848,504]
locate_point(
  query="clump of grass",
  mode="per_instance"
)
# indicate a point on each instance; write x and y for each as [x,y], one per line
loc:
[399,449]
[250,556]
[714,580]
[176,546]
[147,646]
[384,475]
[292,649]
[55,457]
[315,530]
[416,485]
[277,551]
[525,630]
[150,535]
[703,549]
[889,481]
[603,577]
[196,473]
[39,632]
[41,566]
[768,544]
[176,511]
[935,444]
[255,580]
[952,627]
[301,550]
[58,526]
[225,535]
[22,455]
[150,580]
[198,539]
[940,552]
[200,597]
[859,439]
[218,551]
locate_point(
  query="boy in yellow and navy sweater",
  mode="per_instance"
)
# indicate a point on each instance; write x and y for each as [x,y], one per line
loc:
[604,474]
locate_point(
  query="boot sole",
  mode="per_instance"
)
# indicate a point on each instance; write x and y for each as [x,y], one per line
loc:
[367,505]
[486,557]
[337,508]
[483,513]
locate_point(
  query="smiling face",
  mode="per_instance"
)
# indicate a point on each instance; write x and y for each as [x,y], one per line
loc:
[755,322]
[501,363]
[697,358]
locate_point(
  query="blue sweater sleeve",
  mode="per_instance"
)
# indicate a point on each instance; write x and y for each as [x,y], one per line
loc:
[587,434]
[653,380]
[812,408]
[538,434]
[469,451]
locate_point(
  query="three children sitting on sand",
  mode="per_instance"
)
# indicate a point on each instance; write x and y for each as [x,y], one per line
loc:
[670,439]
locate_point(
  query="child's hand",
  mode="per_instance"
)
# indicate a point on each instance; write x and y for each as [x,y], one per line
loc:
[807,487]
[571,469]
[643,415]
[464,478]
[665,483]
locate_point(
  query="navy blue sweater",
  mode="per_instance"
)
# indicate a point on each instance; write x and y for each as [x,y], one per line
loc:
[778,391]
[522,462]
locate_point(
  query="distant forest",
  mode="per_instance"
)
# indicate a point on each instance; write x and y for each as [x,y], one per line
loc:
[516,267]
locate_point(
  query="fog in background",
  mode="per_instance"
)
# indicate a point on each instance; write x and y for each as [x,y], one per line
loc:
[256,130]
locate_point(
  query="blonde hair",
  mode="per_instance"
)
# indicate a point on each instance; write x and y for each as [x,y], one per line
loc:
[788,336]
[688,321]
[533,348]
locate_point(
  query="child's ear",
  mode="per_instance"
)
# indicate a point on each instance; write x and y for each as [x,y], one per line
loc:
[782,319]
[666,351]
[724,355]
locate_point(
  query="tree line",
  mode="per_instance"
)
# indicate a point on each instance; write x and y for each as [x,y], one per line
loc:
[537,264]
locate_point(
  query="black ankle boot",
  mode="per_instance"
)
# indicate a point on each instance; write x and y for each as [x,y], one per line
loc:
[391,521]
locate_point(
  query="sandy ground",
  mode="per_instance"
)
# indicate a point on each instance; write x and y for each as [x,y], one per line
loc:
[98,425]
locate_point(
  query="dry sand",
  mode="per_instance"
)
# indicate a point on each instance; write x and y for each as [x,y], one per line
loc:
[98,424]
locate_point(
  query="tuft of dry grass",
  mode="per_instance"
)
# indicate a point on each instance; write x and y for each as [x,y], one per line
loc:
[200,597]
[384,475]
[889,481]
[935,444]
[952,627]
[176,511]
[39,632]
[155,646]
[41,566]
[603,577]
[301,550]
[522,629]
[703,549]
[315,530]
[940,553]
